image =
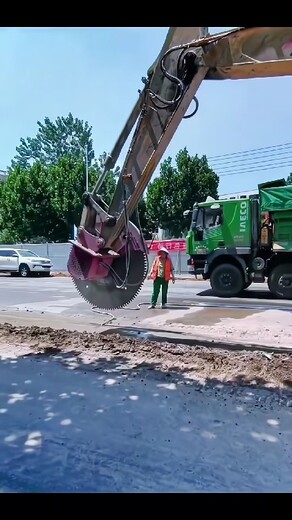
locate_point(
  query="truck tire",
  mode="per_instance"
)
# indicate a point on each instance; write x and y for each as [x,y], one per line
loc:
[227,280]
[277,284]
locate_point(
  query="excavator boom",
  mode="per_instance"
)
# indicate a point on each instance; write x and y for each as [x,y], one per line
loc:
[109,258]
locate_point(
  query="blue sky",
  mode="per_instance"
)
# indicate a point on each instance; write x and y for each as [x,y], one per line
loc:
[96,72]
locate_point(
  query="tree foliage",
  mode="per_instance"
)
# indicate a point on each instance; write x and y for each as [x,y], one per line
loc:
[147,225]
[25,204]
[46,200]
[42,196]
[54,140]
[178,188]
[289,179]
[101,162]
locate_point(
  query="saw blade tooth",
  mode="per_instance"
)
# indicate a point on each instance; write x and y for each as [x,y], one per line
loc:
[112,308]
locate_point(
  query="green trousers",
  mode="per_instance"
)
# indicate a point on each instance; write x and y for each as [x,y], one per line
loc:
[157,284]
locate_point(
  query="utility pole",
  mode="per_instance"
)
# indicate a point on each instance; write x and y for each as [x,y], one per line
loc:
[86,168]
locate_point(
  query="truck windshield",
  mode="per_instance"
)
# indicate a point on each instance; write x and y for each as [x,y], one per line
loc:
[213,217]
[205,218]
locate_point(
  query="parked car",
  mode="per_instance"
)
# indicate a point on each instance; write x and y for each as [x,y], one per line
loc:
[23,262]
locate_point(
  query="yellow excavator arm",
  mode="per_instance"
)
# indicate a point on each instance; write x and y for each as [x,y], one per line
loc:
[109,258]
[253,52]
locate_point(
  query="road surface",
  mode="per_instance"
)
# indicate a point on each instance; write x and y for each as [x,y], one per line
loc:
[70,426]
[84,412]
[253,319]
[59,296]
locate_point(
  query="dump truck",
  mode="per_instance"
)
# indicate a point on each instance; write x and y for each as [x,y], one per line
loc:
[236,242]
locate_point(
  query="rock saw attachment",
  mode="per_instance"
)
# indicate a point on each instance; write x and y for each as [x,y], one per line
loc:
[105,278]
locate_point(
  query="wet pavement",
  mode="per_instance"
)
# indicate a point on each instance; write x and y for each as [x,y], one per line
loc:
[59,296]
[253,319]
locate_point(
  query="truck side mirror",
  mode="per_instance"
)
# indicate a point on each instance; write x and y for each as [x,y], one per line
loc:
[187,213]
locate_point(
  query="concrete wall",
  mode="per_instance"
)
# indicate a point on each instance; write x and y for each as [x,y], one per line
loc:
[59,253]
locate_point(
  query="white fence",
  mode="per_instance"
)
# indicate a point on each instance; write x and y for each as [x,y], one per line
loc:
[59,253]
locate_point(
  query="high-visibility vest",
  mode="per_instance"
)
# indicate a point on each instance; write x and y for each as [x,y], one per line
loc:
[167,269]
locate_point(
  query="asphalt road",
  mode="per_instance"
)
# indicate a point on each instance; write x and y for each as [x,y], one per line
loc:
[58,296]
[71,427]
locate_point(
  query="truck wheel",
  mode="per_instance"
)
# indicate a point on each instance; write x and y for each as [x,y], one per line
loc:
[280,281]
[24,270]
[227,280]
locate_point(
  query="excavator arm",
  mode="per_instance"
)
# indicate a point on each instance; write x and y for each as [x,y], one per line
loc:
[108,261]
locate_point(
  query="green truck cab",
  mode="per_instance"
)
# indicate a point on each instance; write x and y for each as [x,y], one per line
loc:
[235,242]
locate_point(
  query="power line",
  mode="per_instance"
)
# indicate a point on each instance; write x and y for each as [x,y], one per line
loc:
[254,160]
[273,156]
[256,170]
[249,151]
[255,167]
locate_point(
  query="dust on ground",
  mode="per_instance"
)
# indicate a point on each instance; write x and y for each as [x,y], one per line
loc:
[60,274]
[196,362]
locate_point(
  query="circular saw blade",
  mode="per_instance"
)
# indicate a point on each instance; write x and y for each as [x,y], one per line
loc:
[104,293]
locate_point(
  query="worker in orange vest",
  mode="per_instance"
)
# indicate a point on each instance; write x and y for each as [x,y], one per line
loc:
[161,273]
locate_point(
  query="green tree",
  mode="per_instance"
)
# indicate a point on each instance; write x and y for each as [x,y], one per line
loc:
[178,188]
[101,162]
[45,201]
[55,140]
[26,204]
[68,186]
[7,237]
[289,179]
[108,187]
[148,227]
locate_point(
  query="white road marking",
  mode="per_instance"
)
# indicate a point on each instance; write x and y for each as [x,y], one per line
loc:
[48,306]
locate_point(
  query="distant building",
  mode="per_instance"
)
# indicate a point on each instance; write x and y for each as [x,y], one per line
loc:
[3,175]
[240,195]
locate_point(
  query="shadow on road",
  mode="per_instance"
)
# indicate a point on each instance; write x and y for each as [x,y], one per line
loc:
[71,425]
[249,294]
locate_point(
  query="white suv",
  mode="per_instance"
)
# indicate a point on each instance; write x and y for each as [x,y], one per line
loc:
[23,262]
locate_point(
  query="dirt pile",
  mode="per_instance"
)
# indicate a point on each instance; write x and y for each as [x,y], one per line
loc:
[241,367]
